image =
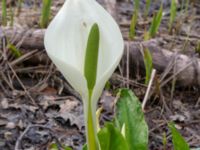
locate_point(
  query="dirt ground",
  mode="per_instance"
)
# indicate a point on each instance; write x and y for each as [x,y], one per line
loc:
[38,107]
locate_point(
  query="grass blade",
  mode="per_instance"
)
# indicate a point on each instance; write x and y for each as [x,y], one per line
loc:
[46,11]
[4,13]
[156,22]
[172,14]
[148,64]
[134,19]
[133,25]
[147,7]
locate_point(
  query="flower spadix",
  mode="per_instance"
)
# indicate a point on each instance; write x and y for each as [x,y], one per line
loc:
[81,25]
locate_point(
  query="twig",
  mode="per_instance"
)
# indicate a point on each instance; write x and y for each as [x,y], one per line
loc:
[22,85]
[21,137]
[148,89]
[175,74]
[24,57]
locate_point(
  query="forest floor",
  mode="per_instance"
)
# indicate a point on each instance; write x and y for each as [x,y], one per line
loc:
[38,107]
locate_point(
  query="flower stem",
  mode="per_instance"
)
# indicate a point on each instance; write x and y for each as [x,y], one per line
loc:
[92,141]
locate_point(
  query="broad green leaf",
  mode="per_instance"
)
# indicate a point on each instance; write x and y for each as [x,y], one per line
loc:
[178,141]
[91,58]
[54,146]
[110,138]
[148,64]
[84,147]
[129,111]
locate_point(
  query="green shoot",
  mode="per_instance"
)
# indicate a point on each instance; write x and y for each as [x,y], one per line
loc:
[134,19]
[187,6]
[136,5]
[197,49]
[54,146]
[147,6]
[156,22]
[11,16]
[148,64]
[16,52]
[4,13]
[19,6]
[164,141]
[133,25]
[146,35]
[172,14]
[46,11]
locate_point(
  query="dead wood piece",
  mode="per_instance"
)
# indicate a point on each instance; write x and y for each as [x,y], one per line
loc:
[187,68]
[31,39]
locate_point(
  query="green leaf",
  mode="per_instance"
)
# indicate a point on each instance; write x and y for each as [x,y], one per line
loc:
[159,18]
[129,111]
[178,141]
[110,138]
[4,13]
[136,5]
[67,148]
[156,22]
[133,25]
[152,27]
[134,19]
[84,147]
[53,146]
[14,50]
[46,13]
[91,58]
[147,7]
[172,13]
[148,64]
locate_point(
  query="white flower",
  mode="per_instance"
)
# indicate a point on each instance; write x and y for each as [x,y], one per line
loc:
[66,41]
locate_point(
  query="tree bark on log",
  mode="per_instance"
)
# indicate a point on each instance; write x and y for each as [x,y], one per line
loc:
[187,69]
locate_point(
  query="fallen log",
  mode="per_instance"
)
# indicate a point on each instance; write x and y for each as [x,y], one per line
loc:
[185,69]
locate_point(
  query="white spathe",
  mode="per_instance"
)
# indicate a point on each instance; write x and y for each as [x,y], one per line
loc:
[66,39]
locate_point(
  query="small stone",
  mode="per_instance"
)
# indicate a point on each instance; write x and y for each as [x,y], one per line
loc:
[10,125]
[4,103]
